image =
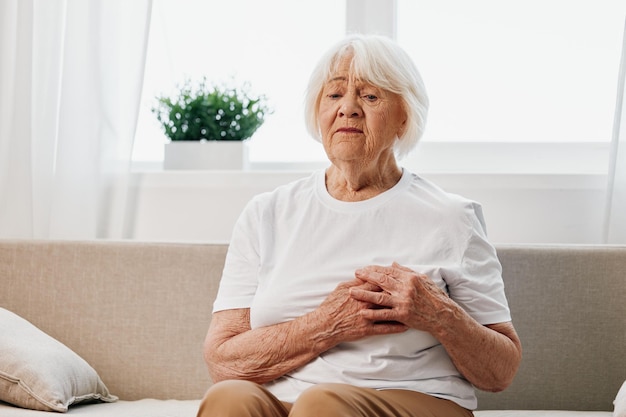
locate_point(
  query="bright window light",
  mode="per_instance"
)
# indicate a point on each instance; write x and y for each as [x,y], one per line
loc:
[496,70]
[272,45]
[527,71]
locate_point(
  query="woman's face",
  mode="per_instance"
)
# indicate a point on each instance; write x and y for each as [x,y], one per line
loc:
[359,122]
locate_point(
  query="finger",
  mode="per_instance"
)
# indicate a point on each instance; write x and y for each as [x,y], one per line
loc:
[380,276]
[378,298]
[381,315]
[368,286]
[357,282]
[403,268]
[389,327]
[377,268]
[395,269]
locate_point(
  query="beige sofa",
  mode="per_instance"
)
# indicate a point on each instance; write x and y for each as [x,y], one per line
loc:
[138,314]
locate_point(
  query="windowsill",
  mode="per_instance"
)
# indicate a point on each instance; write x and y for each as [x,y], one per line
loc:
[555,158]
[536,208]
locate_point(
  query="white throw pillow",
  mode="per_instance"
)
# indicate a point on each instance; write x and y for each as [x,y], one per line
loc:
[40,373]
[620,402]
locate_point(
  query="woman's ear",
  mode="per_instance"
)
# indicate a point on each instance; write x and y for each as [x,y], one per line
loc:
[402,129]
[403,126]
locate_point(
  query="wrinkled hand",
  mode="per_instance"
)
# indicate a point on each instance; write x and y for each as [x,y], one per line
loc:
[407,297]
[345,315]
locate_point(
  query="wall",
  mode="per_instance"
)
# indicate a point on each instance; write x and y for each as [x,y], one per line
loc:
[522,208]
[530,192]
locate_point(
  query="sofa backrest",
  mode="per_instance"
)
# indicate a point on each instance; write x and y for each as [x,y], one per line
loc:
[569,308]
[138,313]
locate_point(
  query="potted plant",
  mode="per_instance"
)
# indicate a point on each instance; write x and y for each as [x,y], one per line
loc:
[207,125]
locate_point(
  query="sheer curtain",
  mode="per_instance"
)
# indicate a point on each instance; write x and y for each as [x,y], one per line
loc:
[615,225]
[70,85]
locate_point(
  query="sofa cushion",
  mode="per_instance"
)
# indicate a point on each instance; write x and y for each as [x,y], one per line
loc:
[541,413]
[140,408]
[38,372]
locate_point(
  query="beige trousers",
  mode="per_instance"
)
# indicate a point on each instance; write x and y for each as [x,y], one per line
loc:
[247,399]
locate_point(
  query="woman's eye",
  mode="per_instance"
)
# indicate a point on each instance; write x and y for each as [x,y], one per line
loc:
[370,97]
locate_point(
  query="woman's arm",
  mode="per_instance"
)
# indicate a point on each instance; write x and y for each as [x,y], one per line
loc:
[232,350]
[488,356]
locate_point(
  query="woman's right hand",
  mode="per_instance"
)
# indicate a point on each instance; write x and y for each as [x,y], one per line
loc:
[232,350]
[341,314]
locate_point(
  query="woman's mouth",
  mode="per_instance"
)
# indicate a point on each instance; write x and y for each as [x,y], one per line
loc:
[349,130]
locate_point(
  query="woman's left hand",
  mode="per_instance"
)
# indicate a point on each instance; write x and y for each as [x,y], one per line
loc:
[487,355]
[406,297]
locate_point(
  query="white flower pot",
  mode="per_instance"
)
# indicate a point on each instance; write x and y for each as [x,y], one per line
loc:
[206,155]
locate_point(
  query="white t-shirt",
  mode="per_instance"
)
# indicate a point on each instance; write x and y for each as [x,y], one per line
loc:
[291,247]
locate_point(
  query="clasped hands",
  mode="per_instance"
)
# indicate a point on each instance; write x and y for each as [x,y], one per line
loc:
[385,300]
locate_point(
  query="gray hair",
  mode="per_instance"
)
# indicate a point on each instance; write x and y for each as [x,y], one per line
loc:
[379,61]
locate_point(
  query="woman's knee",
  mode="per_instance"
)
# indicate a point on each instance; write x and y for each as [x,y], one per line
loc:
[238,399]
[231,387]
[323,399]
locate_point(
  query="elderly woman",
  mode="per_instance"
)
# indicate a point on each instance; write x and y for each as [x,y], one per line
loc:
[362,290]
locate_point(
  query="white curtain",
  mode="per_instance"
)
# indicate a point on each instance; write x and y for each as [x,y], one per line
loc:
[71,73]
[615,224]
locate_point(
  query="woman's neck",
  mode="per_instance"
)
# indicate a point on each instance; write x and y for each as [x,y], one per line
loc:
[353,182]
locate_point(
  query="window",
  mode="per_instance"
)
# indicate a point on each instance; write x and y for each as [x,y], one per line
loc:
[496,71]
[533,70]
[273,45]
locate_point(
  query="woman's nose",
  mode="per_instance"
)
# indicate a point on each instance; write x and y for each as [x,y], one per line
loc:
[349,107]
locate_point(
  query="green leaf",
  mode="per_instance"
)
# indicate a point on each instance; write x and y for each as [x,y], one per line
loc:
[206,112]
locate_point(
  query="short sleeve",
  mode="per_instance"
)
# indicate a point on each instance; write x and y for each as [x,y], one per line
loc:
[476,285]
[239,280]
